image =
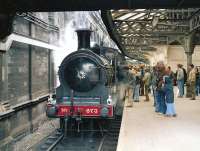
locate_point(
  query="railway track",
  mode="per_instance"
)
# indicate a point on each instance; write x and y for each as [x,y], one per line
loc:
[109,141]
[49,143]
[83,141]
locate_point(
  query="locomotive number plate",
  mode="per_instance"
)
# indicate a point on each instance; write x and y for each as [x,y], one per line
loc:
[91,111]
[87,111]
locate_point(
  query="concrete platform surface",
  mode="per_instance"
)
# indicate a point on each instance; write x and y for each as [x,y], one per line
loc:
[144,130]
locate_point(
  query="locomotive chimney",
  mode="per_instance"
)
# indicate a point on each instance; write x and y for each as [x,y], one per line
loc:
[83,38]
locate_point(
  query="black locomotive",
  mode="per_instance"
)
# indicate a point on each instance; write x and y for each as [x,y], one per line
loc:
[88,83]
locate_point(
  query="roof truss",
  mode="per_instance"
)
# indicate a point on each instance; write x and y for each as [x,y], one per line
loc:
[140,29]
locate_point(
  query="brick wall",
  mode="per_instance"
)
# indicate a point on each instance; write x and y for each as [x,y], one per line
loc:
[40,74]
[18,73]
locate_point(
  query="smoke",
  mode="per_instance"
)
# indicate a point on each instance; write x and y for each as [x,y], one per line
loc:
[68,40]
[68,43]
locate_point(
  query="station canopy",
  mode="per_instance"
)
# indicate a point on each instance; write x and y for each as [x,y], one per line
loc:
[138,31]
[134,28]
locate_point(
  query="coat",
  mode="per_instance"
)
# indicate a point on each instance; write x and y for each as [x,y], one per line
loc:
[168,89]
[147,79]
[192,76]
[180,74]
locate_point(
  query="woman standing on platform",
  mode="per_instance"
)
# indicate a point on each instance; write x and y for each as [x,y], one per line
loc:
[180,80]
[153,84]
[169,92]
[136,91]
[160,94]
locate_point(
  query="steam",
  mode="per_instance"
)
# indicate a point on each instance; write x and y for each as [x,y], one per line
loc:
[68,38]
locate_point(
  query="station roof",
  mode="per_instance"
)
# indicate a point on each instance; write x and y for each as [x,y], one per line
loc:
[136,31]
[71,5]
[131,25]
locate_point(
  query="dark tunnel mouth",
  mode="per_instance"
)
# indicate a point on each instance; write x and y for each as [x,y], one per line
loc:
[81,74]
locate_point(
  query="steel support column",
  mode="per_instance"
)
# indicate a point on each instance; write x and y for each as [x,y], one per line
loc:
[189,61]
[189,47]
[189,58]
[189,50]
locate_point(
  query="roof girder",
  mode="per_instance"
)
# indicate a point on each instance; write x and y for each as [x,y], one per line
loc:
[133,29]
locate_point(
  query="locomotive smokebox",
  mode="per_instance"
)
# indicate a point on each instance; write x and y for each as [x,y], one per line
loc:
[83,38]
[80,71]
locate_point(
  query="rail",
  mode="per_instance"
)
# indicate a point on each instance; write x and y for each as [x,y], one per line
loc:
[84,141]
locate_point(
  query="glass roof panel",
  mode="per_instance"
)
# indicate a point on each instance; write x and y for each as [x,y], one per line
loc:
[139,10]
[134,25]
[137,16]
[152,13]
[125,25]
[126,16]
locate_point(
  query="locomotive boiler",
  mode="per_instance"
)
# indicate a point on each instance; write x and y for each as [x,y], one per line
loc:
[86,84]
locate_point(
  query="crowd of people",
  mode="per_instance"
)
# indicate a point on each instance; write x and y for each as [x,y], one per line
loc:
[192,80]
[160,80]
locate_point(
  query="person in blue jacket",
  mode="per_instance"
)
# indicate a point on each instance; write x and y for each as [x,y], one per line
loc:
[169,92]
[160,107]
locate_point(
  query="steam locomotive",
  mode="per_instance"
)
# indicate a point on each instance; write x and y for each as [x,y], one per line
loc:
[87,83]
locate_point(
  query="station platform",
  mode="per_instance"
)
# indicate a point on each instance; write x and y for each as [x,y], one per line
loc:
[144,130]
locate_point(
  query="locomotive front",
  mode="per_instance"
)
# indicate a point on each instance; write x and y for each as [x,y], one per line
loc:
[86,78]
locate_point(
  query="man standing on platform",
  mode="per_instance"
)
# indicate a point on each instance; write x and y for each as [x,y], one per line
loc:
[180,80]
[185,77]
[142,83]
[192,80]
[130,78]
[147,80]
[153,83]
